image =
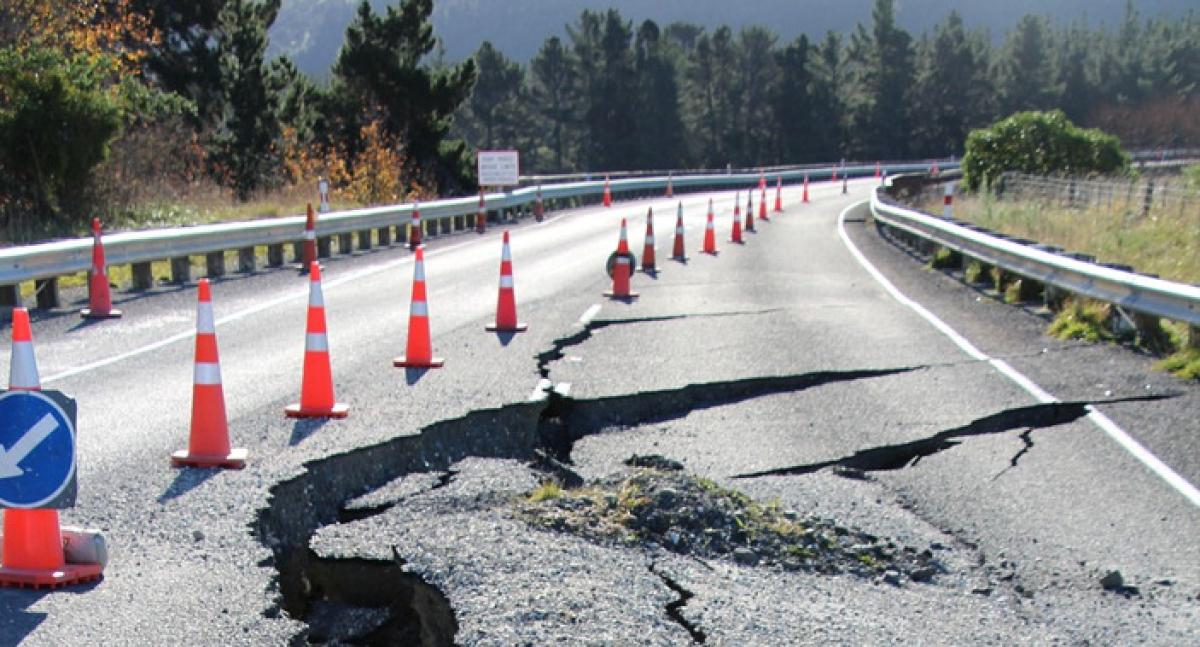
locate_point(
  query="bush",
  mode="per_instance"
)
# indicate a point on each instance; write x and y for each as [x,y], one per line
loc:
[1040,143]
[56,125]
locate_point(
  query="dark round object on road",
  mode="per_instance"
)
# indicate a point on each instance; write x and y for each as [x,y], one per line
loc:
[612,261]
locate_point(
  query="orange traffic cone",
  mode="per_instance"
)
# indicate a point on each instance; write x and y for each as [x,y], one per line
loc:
[737,206]
[804,198]
[762,179]
[539,210]
[481,215]
[99,297]
[32,554]
[834,179]
[414,230]
[710,234]
[736,235]
[749,211]
[877,170]
[209,442]
[419,353]
[670,189]
[934,170]
[607,193]
[622,269]
[778,193]
[648,247]
[506,303]
[762,205]
[316,384]
[310,241]
[677,252]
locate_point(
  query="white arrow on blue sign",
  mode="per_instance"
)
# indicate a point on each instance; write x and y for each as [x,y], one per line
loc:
[37,450]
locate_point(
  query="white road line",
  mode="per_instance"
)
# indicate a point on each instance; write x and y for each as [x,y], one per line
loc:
[589,314]
[242,314]
[1120,436]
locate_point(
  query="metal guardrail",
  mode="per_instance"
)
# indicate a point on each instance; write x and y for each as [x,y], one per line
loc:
[50,260]
[1129,290]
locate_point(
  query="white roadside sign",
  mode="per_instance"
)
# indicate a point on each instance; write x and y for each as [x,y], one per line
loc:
[498,168]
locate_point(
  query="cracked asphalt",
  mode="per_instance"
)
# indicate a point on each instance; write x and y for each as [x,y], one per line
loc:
[779,368]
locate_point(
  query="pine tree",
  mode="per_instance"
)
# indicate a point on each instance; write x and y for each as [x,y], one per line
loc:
[659,124]
[602,45]
[555,93]
[247,148]
[380,76]
[882,75]
[757,75]
[792,103]
[1025,74]
[186,60]
[494,107]
[952,90]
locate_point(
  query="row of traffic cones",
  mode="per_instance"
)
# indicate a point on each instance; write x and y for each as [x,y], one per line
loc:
[623,264]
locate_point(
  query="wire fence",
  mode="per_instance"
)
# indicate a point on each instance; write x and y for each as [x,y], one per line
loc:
[1139,197]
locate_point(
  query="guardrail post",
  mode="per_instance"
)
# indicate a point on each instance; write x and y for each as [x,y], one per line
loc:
[143,276]
[323,245]
[1149,200]
[364,239]
[47,293]
[445,225]
[181,269]
[10,297]
[215,264]
[345,243]
[385,236]
[247,263]
[275,255]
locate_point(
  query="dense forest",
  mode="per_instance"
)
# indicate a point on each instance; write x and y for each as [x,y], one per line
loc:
[109,104]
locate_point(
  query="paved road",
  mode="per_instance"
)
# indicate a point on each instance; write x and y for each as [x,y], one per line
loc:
[200,557]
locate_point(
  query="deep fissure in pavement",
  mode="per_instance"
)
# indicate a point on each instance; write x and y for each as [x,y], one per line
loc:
[675,607]
[328,593]
[555,353]
[909,454]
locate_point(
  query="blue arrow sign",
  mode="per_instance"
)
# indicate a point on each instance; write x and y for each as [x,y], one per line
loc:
[37,450]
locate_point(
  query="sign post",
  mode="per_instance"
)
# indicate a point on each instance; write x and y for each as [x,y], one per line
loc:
[498,169]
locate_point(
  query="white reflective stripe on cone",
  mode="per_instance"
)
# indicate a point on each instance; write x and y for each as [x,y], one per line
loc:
[419,309]
[419,272]
[23,373]
[506,281]
[506,255]
[315,298]
[316,342]
[207,374]
[204,318]
[309,234]
[622,260]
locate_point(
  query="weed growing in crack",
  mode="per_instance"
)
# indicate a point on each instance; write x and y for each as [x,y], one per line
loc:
[667,508]
[546,492]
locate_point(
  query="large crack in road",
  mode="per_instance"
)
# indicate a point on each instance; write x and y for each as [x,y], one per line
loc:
[361,601]
[909,454]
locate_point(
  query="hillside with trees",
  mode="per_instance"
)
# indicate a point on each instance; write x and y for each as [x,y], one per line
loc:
[143,111]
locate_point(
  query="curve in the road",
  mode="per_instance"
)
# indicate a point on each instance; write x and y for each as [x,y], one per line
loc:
[1110,428]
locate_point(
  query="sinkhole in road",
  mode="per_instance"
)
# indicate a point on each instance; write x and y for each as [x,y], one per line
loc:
[363,601]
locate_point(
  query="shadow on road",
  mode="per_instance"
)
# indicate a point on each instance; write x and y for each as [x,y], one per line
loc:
[185,481]
[305,427]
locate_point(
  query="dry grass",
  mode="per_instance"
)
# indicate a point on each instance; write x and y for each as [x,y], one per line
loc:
[1165,242]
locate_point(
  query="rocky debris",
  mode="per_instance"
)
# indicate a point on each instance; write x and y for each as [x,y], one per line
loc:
[658,504]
